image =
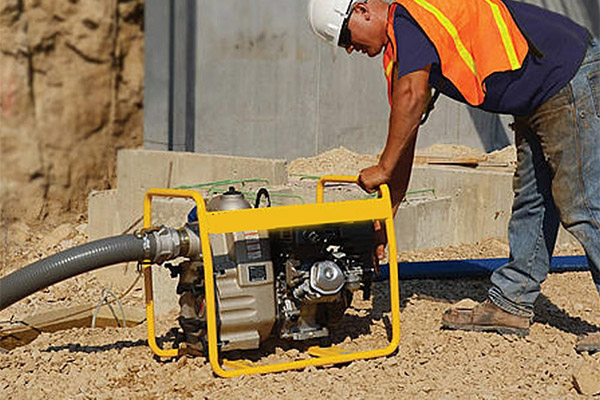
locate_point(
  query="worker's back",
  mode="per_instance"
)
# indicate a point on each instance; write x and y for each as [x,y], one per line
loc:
[561,44]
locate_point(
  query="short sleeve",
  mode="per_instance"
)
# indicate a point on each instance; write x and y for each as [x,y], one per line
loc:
[415,50]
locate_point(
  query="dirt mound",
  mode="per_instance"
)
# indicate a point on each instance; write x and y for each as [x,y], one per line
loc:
[335,161]
[450,151]
[344,161]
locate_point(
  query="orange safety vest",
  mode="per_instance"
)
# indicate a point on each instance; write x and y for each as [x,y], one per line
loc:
[473,39]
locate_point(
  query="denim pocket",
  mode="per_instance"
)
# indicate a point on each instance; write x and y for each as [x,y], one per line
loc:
[594,81]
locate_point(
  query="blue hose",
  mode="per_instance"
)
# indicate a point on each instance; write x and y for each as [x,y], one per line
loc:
[477,268]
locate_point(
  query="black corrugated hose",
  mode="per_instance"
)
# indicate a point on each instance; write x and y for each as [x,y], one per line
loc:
[72,262]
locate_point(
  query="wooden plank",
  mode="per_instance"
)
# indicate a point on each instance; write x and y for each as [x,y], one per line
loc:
[26,330]
[465,162]
[450,160]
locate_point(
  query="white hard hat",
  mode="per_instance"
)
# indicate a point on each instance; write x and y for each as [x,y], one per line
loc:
[327,17]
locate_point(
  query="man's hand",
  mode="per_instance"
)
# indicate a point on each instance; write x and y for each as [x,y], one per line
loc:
[372,177]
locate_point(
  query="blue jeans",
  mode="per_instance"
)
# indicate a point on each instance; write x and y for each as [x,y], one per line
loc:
[557,180]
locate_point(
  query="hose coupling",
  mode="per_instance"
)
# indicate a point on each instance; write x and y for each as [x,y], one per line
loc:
[170,243]
[190,243]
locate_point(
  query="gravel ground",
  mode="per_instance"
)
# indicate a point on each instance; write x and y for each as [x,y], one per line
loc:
[113,363]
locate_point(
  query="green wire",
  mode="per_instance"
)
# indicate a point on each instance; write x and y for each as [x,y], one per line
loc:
[215,184]
[421,191]
[311,177]
[212,185]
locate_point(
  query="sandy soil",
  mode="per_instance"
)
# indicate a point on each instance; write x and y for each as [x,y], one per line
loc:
[117,363]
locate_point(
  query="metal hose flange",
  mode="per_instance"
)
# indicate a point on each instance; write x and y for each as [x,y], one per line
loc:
[75,261]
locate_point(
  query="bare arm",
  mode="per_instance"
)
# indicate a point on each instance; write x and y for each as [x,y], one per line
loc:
[409,98]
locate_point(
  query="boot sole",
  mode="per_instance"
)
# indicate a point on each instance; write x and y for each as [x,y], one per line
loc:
[503,330]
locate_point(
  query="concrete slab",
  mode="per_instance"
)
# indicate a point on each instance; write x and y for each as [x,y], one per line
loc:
[481,202]
[103,221]
[102,216]
[140,170]
[424,225]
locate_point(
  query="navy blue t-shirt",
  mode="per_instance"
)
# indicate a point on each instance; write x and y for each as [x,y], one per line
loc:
[562,42]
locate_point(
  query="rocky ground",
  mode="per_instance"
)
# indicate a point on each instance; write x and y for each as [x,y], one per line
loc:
[113,363]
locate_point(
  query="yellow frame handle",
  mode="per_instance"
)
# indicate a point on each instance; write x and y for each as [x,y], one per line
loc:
[319,213]
[147,267]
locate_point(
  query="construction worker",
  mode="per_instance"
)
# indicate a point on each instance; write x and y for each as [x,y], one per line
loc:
[505,57]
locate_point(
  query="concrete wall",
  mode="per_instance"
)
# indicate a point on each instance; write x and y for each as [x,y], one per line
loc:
[249,78]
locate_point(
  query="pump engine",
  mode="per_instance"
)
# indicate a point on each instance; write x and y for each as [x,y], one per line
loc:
[290,284]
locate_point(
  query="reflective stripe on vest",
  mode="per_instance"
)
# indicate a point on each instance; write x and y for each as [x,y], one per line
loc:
[473,38]
[390,54]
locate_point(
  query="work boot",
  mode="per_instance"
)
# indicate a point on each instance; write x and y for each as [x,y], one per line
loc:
[589,343]
[469,315]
